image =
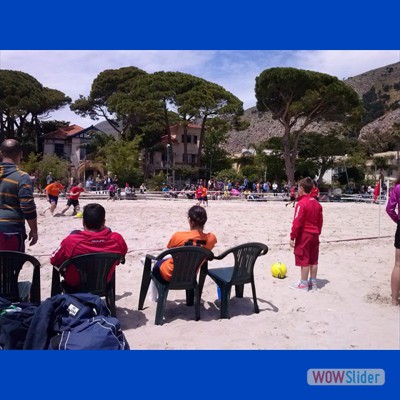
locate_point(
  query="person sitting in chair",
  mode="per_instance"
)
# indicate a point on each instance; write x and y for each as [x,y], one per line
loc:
[197,218]
[94,238]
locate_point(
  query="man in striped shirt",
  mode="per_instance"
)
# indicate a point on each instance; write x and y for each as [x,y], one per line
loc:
[16,200]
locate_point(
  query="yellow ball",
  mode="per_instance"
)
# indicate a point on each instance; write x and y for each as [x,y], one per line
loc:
[278,270]
[79,214]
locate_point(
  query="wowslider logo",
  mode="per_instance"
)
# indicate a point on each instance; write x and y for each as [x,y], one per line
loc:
[357,377]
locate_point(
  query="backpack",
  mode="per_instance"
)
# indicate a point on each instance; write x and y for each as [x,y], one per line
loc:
[97,333]
[79,321]
[15,319]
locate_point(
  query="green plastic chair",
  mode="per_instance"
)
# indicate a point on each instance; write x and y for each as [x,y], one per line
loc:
[245,256]
[187,262]
[11,263]
[93,271]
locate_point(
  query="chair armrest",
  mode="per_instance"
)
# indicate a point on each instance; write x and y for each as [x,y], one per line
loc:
[223,255]
[151,257]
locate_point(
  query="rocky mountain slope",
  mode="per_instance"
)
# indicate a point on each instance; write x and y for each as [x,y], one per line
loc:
[379,89]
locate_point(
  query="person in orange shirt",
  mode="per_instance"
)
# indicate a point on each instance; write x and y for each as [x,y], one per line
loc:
[196,236]
[52,192]
[204,197]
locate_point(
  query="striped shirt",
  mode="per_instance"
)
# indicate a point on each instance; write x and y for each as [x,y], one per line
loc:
[16,198]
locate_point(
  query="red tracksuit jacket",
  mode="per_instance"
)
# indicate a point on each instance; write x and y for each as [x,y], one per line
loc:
[86,242]
[307,216]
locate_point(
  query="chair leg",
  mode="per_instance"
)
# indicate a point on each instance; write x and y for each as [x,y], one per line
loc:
[110,300]
[225,299]
[197,303]
[239,289]
[55,283]
[202,277]
[253,288]
[190,297]
[146,278]
[161,303]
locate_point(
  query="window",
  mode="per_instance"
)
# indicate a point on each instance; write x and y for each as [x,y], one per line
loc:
[59,149]
[194,139]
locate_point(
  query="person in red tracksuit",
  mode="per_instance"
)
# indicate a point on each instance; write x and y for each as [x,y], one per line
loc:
[95,238]
[304,236]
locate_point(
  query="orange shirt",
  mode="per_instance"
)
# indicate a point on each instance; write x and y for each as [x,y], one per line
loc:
[191,238]
[204,192]
[54,189]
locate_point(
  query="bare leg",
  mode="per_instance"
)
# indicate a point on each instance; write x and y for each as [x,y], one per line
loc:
[313,271]
[304,273]
[395,279]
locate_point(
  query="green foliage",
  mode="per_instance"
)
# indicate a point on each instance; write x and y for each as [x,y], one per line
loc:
[23,99]
[228,174]
[122,158]
[156,182]
[355,175]
[296,98]
[53,164]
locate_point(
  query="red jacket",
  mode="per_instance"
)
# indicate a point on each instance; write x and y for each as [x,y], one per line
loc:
[86,242]
[307,216]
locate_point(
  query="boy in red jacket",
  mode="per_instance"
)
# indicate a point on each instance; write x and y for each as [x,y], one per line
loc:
[95,238]
[304,236]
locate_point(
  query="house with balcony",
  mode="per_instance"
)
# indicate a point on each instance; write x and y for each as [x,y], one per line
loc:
[172,156]
[70,143]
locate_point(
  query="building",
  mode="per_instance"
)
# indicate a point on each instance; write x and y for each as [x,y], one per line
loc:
[70,143]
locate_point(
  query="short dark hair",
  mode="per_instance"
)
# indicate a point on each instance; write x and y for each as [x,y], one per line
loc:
[307,184]
[94,216]
[198,215]
[10,148]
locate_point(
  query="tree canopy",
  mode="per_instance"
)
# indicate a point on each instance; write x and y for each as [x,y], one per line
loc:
[23,102]
[297,98]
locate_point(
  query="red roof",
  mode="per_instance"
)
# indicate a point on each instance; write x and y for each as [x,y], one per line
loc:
[64,133]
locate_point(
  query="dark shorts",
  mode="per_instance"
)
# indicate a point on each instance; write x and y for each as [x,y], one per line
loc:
[53,199]
[204,198]
[12,241]
[157,273]
[306,250]
[397,236]
[72,202]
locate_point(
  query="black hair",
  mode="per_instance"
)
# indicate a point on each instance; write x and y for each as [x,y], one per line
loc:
[10,148]
[198,215]
[94,216]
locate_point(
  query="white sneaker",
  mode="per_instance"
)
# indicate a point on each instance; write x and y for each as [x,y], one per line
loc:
[300,286]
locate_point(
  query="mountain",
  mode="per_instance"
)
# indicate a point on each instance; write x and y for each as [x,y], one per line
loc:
[379,89]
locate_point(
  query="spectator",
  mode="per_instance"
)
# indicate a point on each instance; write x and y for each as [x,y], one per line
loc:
[16,199]
[94,238]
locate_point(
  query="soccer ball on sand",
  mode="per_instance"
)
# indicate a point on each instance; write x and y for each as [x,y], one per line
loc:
[79,214]
[278,270]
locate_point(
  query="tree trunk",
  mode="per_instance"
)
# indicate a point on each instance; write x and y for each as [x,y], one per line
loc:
[201,140]
[289,160]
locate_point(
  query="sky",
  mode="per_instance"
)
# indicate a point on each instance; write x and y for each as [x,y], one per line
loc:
[73,71]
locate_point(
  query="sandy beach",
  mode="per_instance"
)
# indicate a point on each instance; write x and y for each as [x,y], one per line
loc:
[350,310]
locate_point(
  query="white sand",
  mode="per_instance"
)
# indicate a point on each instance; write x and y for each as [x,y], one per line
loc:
[351,310]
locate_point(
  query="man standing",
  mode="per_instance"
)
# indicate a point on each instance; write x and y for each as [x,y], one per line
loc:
[16,199]
[49,179]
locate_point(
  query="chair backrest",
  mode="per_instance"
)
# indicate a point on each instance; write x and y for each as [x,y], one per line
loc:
[11,263]
[187,262]
[245,257]
[93,271]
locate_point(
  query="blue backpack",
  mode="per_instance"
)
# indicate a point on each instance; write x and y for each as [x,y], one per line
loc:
[79,321]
